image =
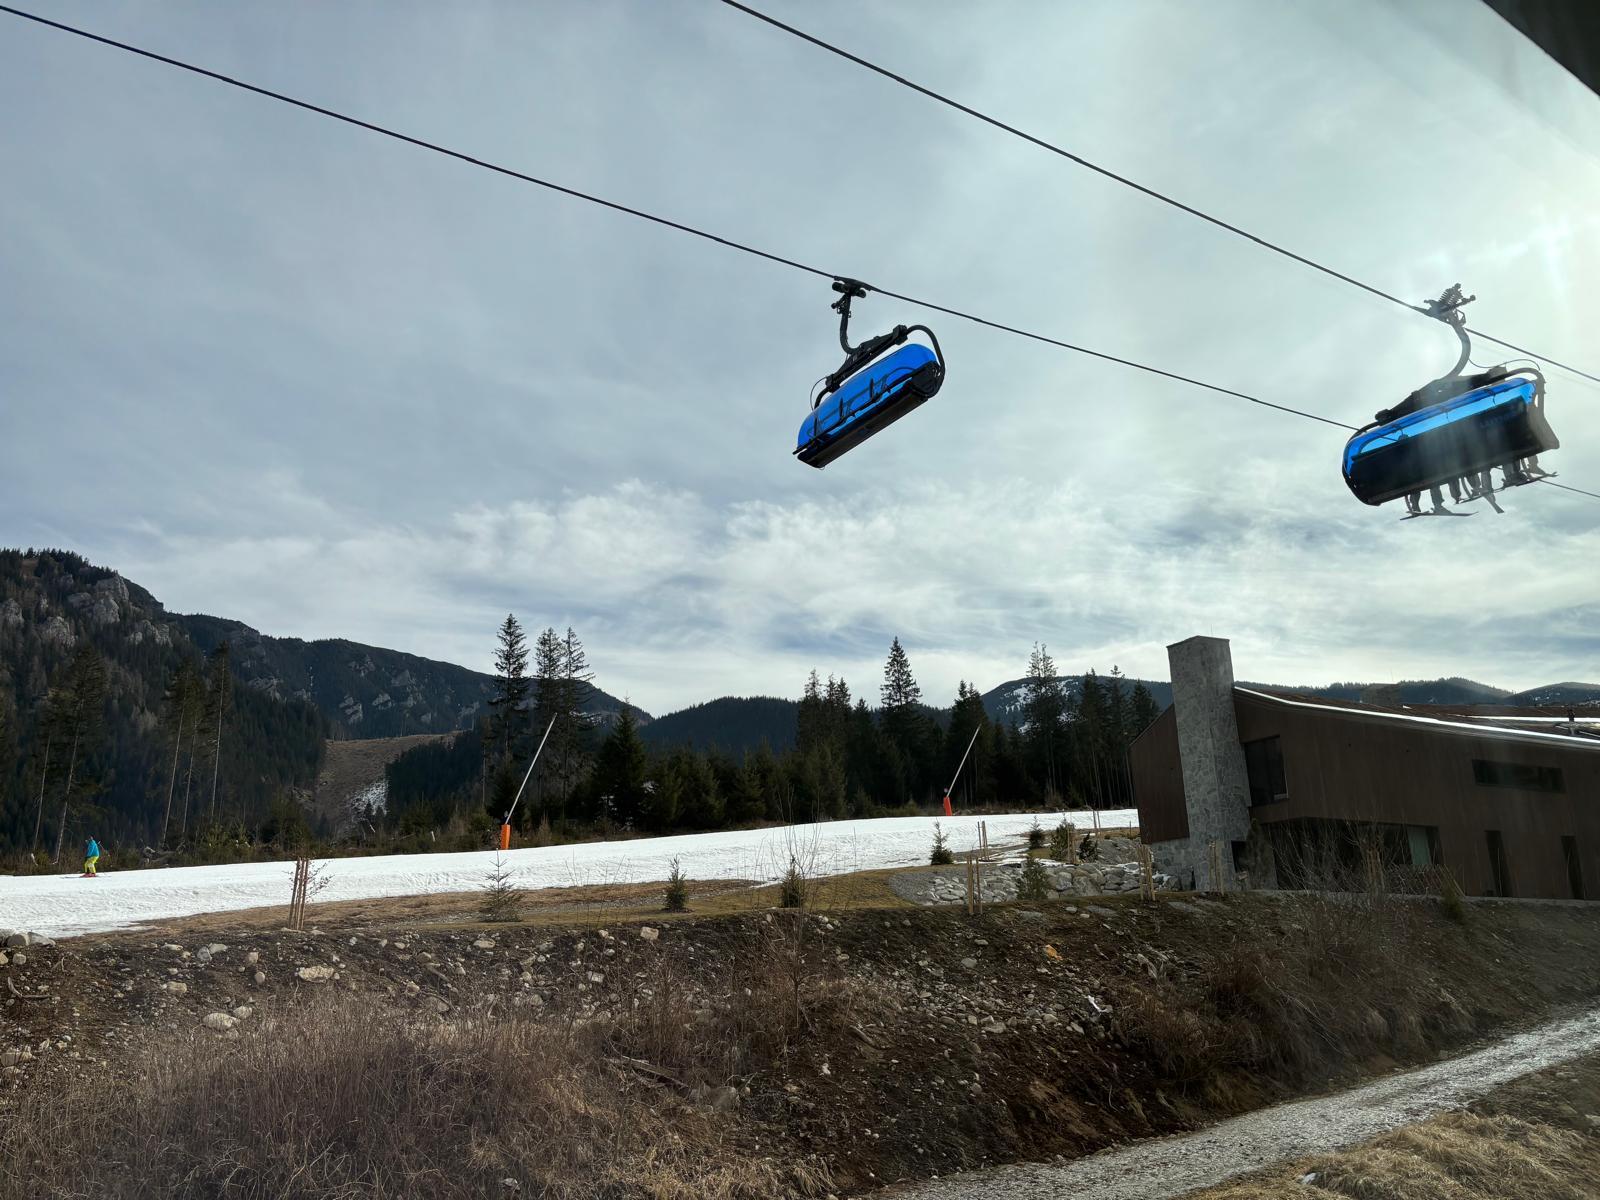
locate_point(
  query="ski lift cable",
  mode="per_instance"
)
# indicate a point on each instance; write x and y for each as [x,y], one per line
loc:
[1144,189]
[615,206]
[653,218]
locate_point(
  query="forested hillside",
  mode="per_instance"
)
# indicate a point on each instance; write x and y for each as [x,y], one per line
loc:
[733,724]
[365,691]
[109,712]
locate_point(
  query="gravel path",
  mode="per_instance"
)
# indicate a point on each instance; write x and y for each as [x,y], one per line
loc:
[1168,1167]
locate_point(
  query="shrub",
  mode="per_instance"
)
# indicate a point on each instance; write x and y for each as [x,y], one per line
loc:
[1035,836]
[1450,898]
[1034,885]
[677,890]
[792,892]
[1062,841]
[942,855]
[502,901]
[1089,850]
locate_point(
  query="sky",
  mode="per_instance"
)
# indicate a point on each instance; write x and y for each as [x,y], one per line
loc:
[278,369]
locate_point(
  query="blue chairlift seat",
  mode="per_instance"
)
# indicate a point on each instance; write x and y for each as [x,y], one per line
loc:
[1485,427]
[869,401]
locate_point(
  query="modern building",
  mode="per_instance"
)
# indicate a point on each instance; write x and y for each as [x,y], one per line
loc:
[1291,790]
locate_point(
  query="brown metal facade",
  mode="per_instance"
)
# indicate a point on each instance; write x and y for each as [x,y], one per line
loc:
[1158,780]
[1455,787]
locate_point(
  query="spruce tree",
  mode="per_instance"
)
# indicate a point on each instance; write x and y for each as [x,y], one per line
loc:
[82,714]
[180,714]
[1044,704]
[511,686]
[219,692]
[901,719]
[622,771]
[1142,711]
[573,721]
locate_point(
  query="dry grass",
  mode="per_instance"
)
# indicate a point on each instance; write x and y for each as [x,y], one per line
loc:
[1455,1157]
[340,1100]
[1346,981]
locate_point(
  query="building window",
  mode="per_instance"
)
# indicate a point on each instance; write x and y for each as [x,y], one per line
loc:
[1263,762]
[1569,851]
[1499,869]
[1423,841]
[1522,776]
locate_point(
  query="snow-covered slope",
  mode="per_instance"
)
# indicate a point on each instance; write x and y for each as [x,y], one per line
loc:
[62,906]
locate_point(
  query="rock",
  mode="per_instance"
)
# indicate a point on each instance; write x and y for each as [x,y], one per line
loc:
[221,1022]
[216,948]
[13,1058]
[483,944]
[176,988]
[995,1027]
[252,958]
[315,974]
[720,1099]
[38,939]
[646,933]
[19,959]
[597,976]
[173,946]
[260,978]
[202,955]
[969,963]
[4,958]
[243,1011]
[16,940]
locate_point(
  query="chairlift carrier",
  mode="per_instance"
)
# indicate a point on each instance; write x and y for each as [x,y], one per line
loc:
[1450,432]
[880,381]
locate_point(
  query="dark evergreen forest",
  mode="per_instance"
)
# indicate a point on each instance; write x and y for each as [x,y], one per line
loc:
[112,723]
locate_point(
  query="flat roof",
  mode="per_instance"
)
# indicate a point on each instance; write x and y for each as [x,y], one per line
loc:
[1539,729]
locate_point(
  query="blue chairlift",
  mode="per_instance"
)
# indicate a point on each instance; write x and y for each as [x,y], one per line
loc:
[879,382]
[1450,432]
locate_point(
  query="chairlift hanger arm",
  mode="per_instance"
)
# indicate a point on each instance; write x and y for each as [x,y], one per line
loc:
[858,356]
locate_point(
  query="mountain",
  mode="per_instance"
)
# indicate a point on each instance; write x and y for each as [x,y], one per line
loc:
[1004,703]
[365,691]
[1557,693]
[53,603]
[732,723]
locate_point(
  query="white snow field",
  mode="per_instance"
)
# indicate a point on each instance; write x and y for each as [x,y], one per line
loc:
[62,906]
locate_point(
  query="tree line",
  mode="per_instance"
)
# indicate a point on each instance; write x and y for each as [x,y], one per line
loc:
[1067,746]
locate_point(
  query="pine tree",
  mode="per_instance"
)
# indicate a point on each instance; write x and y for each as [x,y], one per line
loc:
[1044,705]
[548,690]
[511,686]
[219,691]
[1143,711]
[901,719]
[81,714]
[622,771]
[572,721]
[810,716]
[180,714]
[941,855]
[1033,885]
[677,898]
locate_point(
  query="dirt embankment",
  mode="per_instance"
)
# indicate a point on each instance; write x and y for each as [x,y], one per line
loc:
[843,1049]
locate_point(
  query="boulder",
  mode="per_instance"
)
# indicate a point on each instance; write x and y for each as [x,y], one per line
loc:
[646,933]
[315,974]
[220,1022]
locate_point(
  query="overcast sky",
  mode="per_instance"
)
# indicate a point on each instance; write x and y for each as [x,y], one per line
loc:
[278,369]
